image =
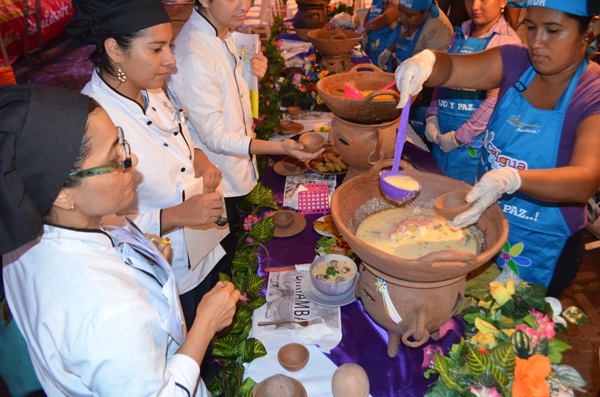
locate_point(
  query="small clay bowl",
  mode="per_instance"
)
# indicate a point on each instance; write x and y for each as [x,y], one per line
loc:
[285,125]
[451,204]
[294,111]
[283,219]
[312,141]
[293,356]
[291,163]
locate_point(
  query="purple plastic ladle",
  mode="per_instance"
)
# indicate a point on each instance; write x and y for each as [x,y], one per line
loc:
[391,191]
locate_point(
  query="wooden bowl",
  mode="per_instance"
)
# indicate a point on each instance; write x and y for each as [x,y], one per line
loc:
[451,204]
[312,141]
[293,356]
[291,163]
[283,219]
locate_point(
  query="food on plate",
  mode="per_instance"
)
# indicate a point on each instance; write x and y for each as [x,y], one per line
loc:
[326,225]
[333,271]
[328,163]
[334,245]
[402,182]
[411,233]
[324,129]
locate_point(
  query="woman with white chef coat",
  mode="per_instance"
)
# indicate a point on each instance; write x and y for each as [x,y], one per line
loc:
[98,317]
[132,62]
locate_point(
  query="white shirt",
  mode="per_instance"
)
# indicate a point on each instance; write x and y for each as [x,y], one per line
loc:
[164,170]
[93,324]
[209,81]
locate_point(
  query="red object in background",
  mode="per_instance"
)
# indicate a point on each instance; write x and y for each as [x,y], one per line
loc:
[7,76]
[55,15]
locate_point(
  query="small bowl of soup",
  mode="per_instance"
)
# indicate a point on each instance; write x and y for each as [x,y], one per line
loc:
[333,274]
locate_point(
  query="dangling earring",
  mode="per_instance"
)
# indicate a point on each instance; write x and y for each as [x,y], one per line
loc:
[121,75]
[72,208]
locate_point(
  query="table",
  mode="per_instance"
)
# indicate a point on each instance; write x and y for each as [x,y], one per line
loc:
[363,342]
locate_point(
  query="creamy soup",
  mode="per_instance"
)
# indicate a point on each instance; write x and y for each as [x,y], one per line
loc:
[402,182]
[333,271]
[411,234]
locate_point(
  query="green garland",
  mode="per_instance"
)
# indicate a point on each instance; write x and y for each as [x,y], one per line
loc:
[232,347]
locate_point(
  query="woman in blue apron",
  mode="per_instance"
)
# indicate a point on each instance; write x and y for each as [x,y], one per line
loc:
[540,156]
[421,26]
[378,28]
[452,125]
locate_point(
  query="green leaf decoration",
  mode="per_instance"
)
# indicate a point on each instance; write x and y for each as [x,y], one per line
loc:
[505,355]
[541,347]
[429,372]
[216,388]
[574,315]
[532,294]
[487,379]
[441,366]
[477,361]
[244,316]
[458,351]
[246,331]
[254,284]
[472,151]
[462,379]
[263,230]
[530,320]
[470,318]
[224,277]
[241,262]
[256,303]
[238,280]
[568,376]
[441,390]
[260,195]
[513,265]
[479,290]
[555,349]
[506,247]
[226,347]
[250,349]
[246,388]
[521,344]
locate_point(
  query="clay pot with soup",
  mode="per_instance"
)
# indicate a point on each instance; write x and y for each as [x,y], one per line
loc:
[362,145]
[425,287]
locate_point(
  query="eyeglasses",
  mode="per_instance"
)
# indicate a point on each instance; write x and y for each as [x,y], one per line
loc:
[111,167]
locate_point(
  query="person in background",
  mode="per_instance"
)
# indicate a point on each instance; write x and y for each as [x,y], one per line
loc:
[421,26]
[378,26]
[209,82]
[456,119]
[540,153]
[98,317]
[133,58]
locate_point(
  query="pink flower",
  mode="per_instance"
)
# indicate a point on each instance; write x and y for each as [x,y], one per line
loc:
[429,356]
[279,44]
[545,327]
[530,332]
[485,392]
[268,102]
[244,298]
[302,88]
[218,361]
[271,85]
[296,79]
[249,222]
[271,78]
[249,240]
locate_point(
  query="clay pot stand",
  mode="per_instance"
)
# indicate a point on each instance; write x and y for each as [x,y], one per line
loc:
[426,291]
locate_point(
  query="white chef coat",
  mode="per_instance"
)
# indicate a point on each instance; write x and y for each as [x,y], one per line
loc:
[165,152]
[93,324]
[209,81]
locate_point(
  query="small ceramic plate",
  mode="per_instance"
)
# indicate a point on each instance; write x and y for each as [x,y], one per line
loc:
[315,296]
[322,233]
[297,226]
[295,128]
[278,168]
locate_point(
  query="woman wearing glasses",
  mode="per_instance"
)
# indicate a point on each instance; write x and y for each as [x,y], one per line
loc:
[98,318]
[133,58]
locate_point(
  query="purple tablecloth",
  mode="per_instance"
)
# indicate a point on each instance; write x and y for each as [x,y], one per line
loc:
[364,342]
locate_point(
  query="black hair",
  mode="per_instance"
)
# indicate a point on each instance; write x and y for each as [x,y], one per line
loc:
[101,59]
[593,8]
[84,151]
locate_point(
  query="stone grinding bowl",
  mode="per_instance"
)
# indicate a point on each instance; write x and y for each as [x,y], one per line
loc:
[361,197]
[368,110]
[331,40]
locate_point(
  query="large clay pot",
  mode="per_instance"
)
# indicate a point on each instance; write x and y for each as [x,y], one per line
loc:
[424,307]
[436,276]
[369,110]
[310,15]
[363,145]
[331,40]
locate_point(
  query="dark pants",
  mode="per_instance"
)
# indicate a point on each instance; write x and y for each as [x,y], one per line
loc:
[568,265]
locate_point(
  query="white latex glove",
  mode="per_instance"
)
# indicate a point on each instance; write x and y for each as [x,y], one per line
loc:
[412,73]
[432,130]
[492,186]
[448,142]
[384,58]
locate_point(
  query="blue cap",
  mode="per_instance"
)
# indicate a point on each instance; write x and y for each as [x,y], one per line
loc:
[421,5]
[575,7]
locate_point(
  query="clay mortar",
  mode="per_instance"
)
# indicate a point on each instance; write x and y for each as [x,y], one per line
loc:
[426,291]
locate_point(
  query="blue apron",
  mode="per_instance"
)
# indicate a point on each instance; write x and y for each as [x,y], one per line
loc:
[404,50]
[456,108]
[523,137]
[378,38]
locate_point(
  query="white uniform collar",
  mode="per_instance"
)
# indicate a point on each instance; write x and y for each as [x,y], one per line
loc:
[204,25]
[93,236]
